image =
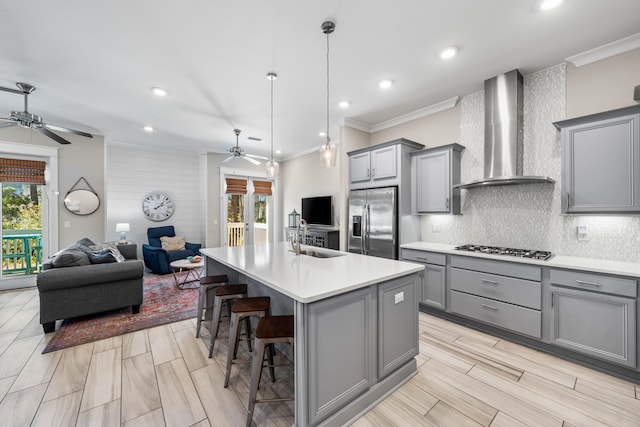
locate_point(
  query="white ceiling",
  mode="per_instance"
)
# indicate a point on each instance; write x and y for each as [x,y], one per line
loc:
[93,63]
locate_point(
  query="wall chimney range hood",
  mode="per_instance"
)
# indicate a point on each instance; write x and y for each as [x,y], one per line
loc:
[503,100]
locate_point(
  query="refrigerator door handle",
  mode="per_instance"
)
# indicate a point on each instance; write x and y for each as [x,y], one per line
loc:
[364,229]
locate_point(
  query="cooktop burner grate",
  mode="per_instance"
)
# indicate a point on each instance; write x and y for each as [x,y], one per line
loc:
[496,250]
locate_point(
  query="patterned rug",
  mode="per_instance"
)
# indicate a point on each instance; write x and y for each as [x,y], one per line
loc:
[162,303]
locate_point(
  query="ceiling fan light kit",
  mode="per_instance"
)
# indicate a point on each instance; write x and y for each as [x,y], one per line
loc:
[31,121]
[328,151]
[273,168]
[238,152]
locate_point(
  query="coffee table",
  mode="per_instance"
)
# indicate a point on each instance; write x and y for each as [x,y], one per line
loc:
[194,270]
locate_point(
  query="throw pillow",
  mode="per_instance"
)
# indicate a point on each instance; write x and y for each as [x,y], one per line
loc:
[173,243]
[70,257]
[101,257]
[109,247]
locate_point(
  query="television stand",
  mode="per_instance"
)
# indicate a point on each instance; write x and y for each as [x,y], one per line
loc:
[321,237]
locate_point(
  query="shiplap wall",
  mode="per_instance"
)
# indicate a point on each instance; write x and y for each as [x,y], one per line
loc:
[133,172]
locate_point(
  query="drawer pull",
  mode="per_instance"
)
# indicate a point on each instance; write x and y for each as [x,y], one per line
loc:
[422,258]
[489,307]
[489,282]
[580,282]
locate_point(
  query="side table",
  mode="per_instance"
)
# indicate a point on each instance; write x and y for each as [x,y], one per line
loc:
[194,270]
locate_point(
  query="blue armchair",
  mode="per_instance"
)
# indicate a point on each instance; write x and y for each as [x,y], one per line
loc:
[157,259]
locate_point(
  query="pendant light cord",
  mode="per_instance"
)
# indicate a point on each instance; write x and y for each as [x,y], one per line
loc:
[272,120]
[328,139]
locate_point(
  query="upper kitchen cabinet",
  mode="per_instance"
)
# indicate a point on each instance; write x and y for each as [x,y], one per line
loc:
[601,162]
[380,165]
[433,174]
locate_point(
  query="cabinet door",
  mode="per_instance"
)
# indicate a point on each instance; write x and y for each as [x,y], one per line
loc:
[602,166]
[383,163]
[397,323]
[602,326]
[433,184]
[433,286]
[359,167]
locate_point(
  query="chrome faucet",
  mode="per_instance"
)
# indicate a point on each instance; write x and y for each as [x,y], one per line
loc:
[298,238]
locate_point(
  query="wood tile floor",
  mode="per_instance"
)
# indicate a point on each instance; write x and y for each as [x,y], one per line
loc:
[162,377]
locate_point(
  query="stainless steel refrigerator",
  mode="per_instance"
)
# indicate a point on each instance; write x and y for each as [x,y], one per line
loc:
[373,222]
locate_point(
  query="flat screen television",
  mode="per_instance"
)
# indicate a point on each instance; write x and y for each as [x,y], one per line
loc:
[317,210]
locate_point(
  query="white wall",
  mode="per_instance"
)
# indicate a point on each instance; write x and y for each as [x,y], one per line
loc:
[133,172]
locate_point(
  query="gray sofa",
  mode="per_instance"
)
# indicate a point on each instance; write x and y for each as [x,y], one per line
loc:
[71,285]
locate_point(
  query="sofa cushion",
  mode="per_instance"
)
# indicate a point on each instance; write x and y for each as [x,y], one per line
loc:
[170,244]
[70,257]
[99,247]
[101,257]
[87,275]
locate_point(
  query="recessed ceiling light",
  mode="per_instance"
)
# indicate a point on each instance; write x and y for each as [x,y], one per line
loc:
[322,133]
[385,84]
[158,91]
[549,4]
[278,151]
[344,104]
[448,52]
[148,129]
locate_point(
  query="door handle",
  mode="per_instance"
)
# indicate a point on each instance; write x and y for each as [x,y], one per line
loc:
[368,173]
[489,282]
[580,282]
[447,204]
[374,172]
[489,307]
[568,201]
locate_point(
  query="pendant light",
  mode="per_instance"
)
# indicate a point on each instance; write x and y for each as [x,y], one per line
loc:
[272,166]
[328,151]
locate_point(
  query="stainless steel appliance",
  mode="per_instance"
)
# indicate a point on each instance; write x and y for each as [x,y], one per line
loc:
[496,250]
[373,222]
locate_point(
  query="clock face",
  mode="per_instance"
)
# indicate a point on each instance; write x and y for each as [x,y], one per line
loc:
[157,206]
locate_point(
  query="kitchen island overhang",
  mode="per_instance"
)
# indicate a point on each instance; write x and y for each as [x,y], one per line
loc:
[356,322]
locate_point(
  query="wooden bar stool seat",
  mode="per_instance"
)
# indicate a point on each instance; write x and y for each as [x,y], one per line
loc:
[223,293]
[207,283]
[270,330]
[243,309]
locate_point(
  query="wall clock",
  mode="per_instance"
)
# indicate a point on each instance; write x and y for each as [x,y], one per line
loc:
[158,206]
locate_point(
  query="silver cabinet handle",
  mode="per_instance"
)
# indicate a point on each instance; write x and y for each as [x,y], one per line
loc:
[580,282]
[422,258]
[447,204]
[568,201]
[489,282]
[374,172]
[489,307]
[368,173]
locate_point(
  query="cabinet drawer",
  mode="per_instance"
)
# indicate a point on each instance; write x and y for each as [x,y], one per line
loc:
[595,282]
[508,316]
[513,269]
[507,289]
[424,256]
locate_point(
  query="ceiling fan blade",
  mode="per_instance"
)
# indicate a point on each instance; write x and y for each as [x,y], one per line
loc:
[257,157]
[67,130]
[51,135]
[6,125]
[249,159]
[228,159]
[6,89]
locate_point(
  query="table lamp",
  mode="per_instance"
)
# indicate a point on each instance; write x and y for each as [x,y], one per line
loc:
[122,227]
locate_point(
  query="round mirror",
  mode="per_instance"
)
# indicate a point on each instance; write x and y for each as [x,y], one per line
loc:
[81,202]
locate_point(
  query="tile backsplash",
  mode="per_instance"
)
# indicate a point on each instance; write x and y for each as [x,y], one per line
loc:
[528,215]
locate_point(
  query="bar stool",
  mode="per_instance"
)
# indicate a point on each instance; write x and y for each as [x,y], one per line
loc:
[270,330]
[206,284]
[243,308]
[223,293]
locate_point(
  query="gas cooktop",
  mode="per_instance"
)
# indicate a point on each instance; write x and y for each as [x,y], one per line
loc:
[495,250]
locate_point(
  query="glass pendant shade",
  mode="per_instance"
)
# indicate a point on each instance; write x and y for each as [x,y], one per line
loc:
[273,168]
[328,154]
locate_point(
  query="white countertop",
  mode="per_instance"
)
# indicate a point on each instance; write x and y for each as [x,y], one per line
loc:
[305,278]
[560,261]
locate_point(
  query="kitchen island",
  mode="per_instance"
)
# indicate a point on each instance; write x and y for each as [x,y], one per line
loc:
[356,322]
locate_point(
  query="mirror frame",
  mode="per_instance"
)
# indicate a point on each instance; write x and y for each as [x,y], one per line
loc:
[84,199]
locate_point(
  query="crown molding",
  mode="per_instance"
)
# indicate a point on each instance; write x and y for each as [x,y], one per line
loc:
[305,152]
[418,114]
[605,51]
[364,127]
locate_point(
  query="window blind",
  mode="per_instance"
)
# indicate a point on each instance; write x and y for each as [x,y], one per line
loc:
[236,186]
[24,171]
[262,187]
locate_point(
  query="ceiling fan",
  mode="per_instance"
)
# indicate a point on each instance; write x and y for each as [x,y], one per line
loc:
[238,152]
[28,120]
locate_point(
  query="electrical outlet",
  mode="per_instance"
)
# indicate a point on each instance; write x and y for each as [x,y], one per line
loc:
[399,297]
[67,224]
[582,233]
[436,228]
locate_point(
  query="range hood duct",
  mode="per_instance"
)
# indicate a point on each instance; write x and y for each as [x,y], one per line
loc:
[503,134]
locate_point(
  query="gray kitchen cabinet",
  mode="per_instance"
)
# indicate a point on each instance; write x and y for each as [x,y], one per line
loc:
[600,324]
[380,165]
[433,278]
[433,174]
[397,311]
[601,162]
[503,294]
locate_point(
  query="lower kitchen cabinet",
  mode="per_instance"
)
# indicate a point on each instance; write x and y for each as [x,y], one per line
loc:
[433,278]
[594,323]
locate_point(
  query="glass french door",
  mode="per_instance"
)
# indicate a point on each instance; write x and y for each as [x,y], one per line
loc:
[249,215]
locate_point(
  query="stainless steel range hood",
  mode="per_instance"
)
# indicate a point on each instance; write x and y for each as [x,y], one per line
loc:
[503,134]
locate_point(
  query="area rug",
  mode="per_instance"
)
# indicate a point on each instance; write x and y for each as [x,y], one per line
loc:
[162,303]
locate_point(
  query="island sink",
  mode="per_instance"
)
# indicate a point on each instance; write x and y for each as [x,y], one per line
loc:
[319,254]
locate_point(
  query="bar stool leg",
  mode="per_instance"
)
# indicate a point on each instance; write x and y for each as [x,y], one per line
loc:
[256,372]
[215,322]
[233,342]
[201,303]
[272,369]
